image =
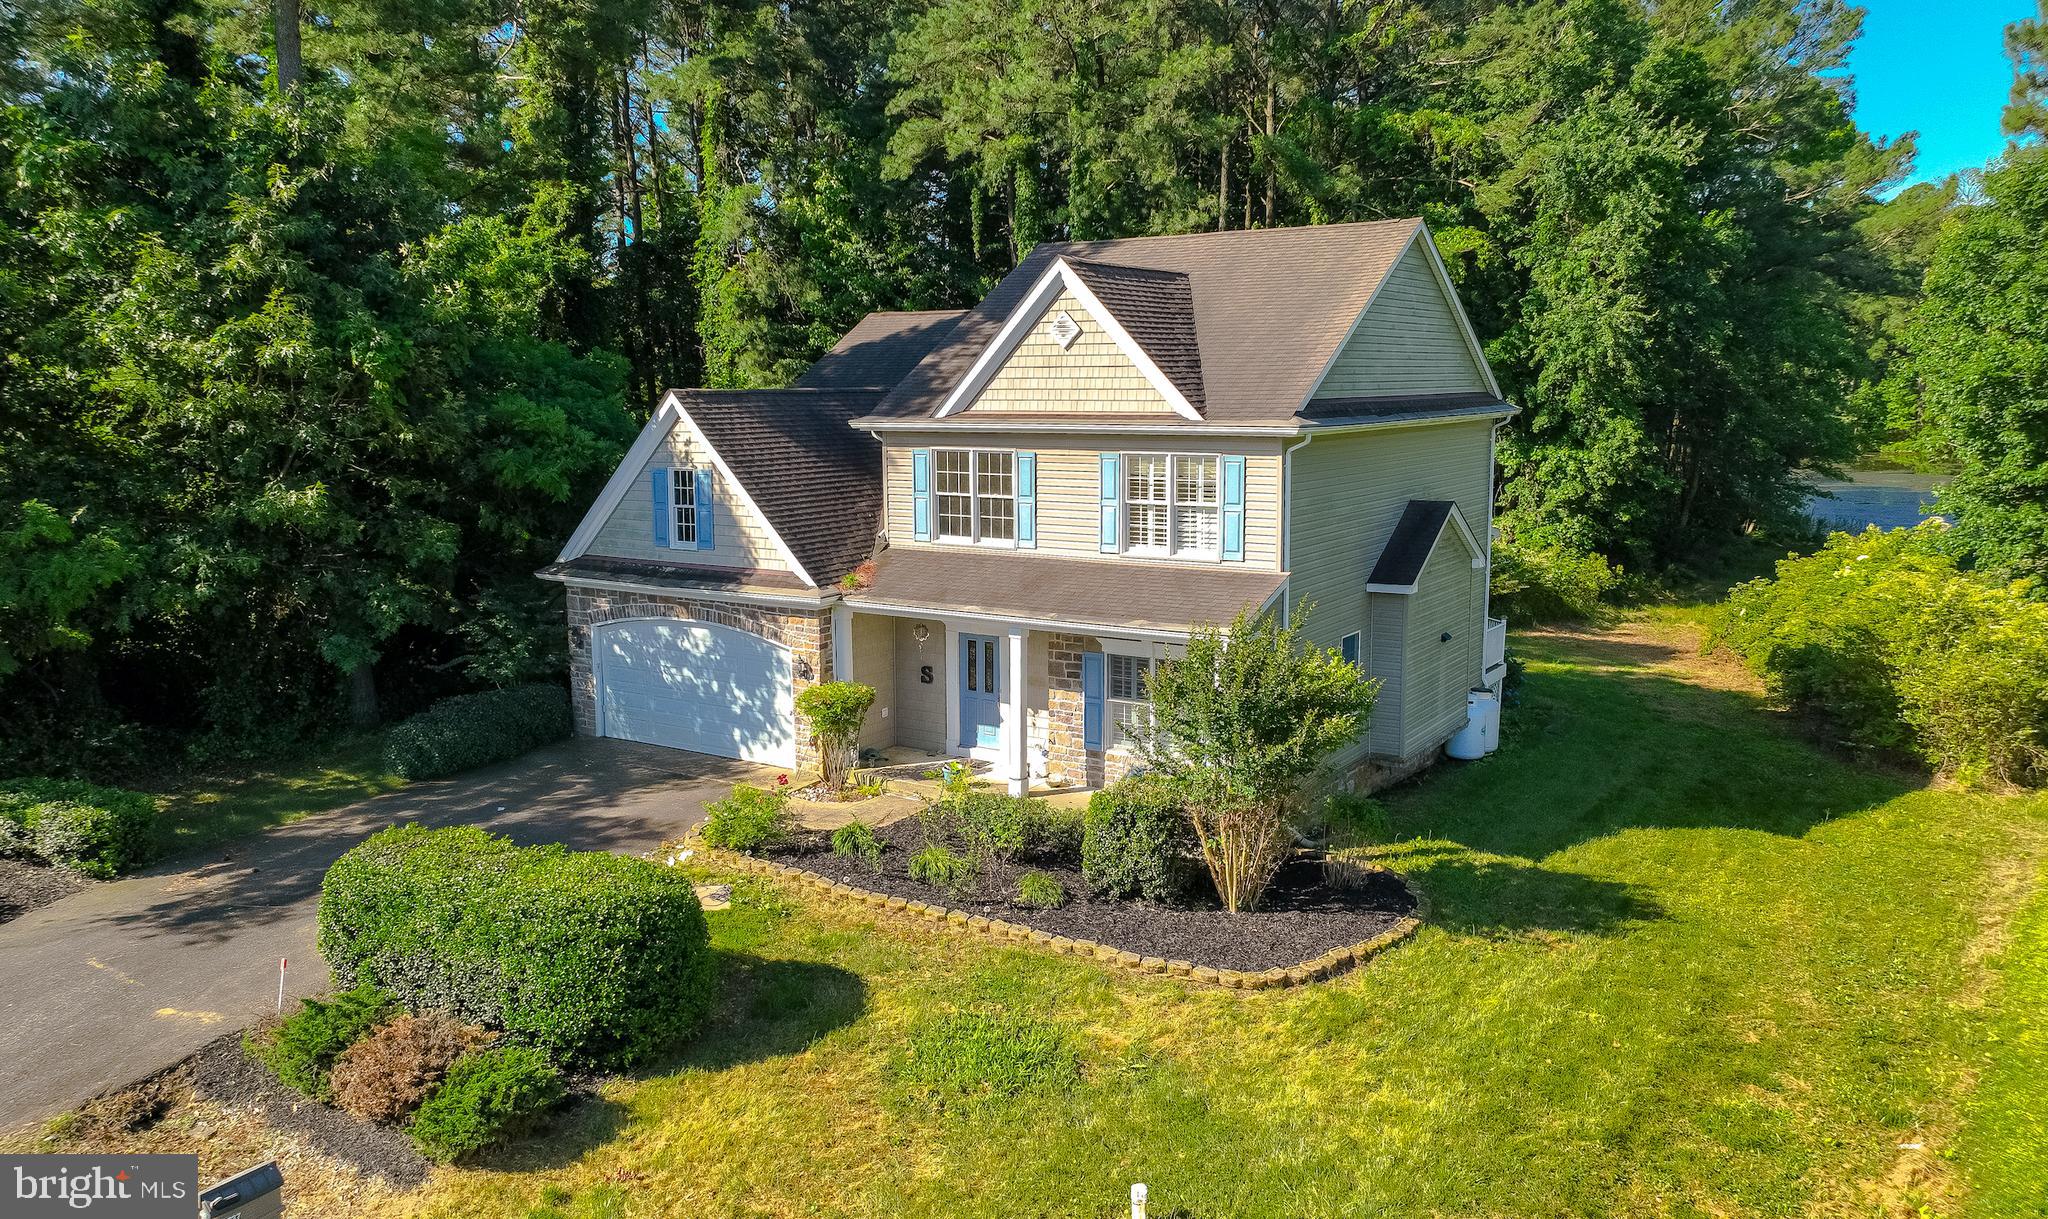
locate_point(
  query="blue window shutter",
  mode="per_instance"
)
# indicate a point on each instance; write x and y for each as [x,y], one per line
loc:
[921,493]
[1109,502]
[1094,676]
[704,511]
[1027,499]
[1233,507]
[657,482]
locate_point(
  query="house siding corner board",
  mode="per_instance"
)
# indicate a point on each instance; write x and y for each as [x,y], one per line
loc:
[1069,488]
[1094,375]
[1409,341]
[806,633]
[1349,492]
[740,538]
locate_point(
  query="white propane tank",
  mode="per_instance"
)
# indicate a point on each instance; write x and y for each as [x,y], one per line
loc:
[1489,720]
[1469,744]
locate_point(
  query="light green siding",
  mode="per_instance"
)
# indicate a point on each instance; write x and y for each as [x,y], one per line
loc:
[1409,340]
[1070,487]
[1437,673]
[1348,493]
[740,538]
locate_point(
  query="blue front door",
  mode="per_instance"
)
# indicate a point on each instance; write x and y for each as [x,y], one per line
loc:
[981,691]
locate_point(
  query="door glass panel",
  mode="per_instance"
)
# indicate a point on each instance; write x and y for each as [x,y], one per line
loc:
[973,673]
[988,664]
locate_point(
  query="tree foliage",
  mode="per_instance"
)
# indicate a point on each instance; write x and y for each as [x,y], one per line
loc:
[316,375]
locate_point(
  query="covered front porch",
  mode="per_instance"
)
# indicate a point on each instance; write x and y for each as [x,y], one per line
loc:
[1030,706]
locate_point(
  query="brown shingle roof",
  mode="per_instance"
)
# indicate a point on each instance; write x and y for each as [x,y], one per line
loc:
[1409,546]
[1271,307]
[1088,594]
[879,350]
[818,481]
[1158,309]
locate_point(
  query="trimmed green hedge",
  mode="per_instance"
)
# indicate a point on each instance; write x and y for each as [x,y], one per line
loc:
[99,831]
[472,730]
[488,1096]
[1136,839]
[585,954]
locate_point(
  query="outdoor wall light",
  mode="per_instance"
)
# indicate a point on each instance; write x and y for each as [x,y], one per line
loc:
[920,632]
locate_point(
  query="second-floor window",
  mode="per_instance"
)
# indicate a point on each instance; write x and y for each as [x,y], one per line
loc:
[977,495]
[683,499]
[1172,505]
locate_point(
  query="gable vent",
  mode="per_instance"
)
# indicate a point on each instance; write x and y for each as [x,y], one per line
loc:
[1064,329]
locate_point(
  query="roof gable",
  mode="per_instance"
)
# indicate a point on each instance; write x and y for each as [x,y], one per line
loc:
[1411,338]
[1270,309]
[1021,334]
[813,482]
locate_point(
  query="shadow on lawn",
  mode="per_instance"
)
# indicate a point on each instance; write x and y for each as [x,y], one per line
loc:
[1506,896]
[766,1009]
[1598,745]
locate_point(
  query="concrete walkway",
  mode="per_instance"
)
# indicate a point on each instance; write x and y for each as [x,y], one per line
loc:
[120,980]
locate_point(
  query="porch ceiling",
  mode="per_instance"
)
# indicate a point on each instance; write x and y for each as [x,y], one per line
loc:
[1089,594]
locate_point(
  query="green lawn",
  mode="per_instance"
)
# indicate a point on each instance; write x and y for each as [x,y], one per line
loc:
[1681,962]
[206,810]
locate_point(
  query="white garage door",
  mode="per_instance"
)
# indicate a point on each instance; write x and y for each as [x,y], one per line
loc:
[692,685]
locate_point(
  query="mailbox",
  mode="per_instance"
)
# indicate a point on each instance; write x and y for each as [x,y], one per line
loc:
[255,1194]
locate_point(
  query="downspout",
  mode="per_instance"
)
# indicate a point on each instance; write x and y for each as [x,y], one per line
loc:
[1287,523]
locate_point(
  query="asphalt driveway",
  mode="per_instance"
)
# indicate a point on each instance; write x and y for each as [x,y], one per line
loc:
[120,980]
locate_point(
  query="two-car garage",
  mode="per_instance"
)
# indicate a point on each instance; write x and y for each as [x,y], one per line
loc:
[695,685]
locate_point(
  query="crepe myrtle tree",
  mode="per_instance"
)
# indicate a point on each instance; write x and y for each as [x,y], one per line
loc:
[1239,721]
[835,711]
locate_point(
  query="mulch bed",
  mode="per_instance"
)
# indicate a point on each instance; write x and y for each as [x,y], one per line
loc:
[223,1072]
[1299,919]
[26,886]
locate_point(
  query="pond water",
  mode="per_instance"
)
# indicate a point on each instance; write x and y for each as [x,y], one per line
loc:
[1888,499]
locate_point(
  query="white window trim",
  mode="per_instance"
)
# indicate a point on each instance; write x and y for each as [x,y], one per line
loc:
[1123,500]
[1111,705]
[974,457]
[680,476]
[1358,652]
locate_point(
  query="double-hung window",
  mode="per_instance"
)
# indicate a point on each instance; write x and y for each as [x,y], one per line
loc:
[977,495]
[1130,696]
[1173,505]
[683,502]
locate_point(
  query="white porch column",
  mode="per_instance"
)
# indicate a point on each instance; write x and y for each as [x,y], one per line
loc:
[842,643]
[1017,733]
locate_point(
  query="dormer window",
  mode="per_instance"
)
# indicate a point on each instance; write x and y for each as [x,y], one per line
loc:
[1172,505]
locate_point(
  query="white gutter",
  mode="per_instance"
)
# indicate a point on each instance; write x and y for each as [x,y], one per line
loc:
[968,617]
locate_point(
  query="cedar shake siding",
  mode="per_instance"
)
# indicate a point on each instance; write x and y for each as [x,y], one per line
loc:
[1094,375]
[739,536]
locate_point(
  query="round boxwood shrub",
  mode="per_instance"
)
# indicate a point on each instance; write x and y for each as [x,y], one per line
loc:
[472,730]
[487,1095]
[1136,838]
[585,954]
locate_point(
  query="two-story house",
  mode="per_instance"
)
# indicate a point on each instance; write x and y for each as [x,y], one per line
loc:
[1002,518]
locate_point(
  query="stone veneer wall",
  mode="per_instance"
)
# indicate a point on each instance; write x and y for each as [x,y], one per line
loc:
[806,633]
[1068,759]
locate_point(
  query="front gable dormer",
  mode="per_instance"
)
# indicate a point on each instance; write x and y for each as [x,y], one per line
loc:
[1091,338]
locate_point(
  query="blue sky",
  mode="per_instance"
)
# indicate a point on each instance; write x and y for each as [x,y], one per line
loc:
[1937,67]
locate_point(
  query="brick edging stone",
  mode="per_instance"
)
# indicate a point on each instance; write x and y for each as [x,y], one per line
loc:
[1329,965]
